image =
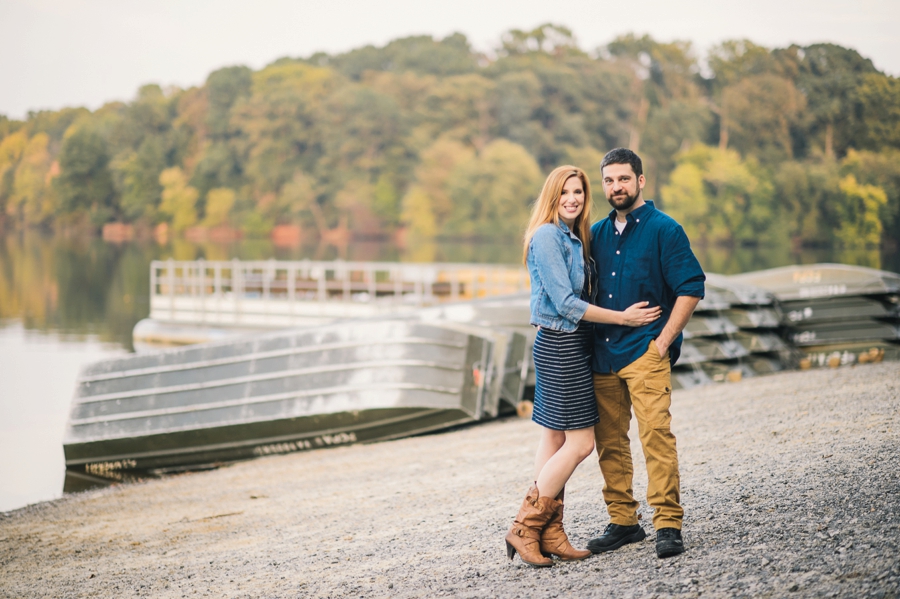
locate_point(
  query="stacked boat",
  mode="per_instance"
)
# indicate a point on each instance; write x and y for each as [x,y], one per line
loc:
[732,334]
[836,314]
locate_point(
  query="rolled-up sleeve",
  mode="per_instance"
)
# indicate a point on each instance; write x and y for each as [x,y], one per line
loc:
[681,270]
[554,274]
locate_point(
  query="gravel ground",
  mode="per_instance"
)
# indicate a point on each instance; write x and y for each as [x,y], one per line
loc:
[790,484]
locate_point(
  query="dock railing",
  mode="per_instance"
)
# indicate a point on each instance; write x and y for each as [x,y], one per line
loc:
[284,293]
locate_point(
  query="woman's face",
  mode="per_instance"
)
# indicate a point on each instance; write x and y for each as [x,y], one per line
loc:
[571,201]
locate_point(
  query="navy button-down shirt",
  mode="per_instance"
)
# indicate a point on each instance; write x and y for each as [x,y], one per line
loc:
[650,261]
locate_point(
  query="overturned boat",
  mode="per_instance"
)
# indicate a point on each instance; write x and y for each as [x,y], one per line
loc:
[357,381]
[826,280]
[836,314]
[733,334]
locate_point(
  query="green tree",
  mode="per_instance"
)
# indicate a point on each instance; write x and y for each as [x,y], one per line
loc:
[543,39]
[138,179]
[32,201]
[420,54]
[224,88]
[418,213]
[85,183]
[880,169]
[428,204]
[807,194]
[179,200]
[720,197]
[687,200]
[386,199]
[519,98]
[55,123]
[460,107]
[829,76]
[758,114]
[219,203]
[219,165]
[860,227]
[8,126]
[734,62]
[879,104]
[278,129]
[492,193]
[298,200]
[11,149]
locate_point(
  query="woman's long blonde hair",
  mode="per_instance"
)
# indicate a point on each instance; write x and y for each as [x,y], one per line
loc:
[546,207]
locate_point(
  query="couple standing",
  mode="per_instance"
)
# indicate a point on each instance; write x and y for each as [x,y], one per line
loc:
[611,301]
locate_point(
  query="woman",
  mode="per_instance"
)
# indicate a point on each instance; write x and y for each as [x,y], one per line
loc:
[557,255]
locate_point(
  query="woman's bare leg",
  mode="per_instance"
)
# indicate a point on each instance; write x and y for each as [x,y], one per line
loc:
[548,445]
[561,464]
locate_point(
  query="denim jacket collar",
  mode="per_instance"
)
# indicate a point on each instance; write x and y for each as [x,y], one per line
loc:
[565,228]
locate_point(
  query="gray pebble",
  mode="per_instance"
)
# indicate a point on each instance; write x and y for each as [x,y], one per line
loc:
[809,511]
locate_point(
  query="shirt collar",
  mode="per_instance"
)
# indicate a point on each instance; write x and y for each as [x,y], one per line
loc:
[567,230]
[634,214]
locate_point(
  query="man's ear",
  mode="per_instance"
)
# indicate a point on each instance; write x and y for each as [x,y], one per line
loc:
[641,181]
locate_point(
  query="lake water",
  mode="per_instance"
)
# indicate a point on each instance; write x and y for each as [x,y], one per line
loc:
[65,303]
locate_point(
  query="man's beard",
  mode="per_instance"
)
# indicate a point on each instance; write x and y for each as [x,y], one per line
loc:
[623,202]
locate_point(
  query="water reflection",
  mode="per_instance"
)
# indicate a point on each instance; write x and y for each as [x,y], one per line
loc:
[90,287]
[74,286]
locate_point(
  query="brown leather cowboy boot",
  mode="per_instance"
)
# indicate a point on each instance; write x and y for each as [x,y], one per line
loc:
[553,538]
[524,536]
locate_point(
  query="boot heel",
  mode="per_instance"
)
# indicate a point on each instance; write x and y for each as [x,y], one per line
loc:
[510,551]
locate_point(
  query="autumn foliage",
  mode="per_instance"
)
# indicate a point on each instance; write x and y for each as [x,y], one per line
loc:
[747,145]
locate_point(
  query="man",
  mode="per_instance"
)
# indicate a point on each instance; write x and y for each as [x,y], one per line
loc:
[641,255]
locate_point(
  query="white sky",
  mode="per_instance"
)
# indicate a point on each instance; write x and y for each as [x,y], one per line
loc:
[56,53]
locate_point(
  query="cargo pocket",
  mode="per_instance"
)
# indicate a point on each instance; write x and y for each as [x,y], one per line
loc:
[657,401]
[654,351]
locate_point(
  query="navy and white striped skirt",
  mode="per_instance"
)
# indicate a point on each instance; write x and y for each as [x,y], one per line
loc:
[564,394]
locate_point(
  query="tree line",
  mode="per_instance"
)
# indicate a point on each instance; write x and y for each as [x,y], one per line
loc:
[746,145]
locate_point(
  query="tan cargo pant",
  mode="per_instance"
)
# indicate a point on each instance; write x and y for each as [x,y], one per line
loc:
[645,385]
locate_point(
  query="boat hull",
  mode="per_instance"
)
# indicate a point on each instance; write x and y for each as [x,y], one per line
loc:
[222,444]
[335,384]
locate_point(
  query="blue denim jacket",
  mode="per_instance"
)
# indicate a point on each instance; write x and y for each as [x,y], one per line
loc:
[556,267]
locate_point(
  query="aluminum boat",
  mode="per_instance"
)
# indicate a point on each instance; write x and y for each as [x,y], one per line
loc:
[288,391]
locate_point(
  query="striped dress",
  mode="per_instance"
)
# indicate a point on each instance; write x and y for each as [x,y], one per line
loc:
[564,394]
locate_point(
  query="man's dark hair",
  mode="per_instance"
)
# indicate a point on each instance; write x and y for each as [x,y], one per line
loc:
[623,156]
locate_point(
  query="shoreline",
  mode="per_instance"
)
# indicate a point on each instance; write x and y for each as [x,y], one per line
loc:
[788,481]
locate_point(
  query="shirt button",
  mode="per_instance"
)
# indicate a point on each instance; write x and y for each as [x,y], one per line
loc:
[638,220]
[618,252]
[610,295]
[614,274]
[607,339]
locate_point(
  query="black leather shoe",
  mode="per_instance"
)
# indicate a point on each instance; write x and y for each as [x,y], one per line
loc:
[614,536]
[668,542]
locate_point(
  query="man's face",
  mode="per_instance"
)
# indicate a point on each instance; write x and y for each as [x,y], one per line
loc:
[621,186]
